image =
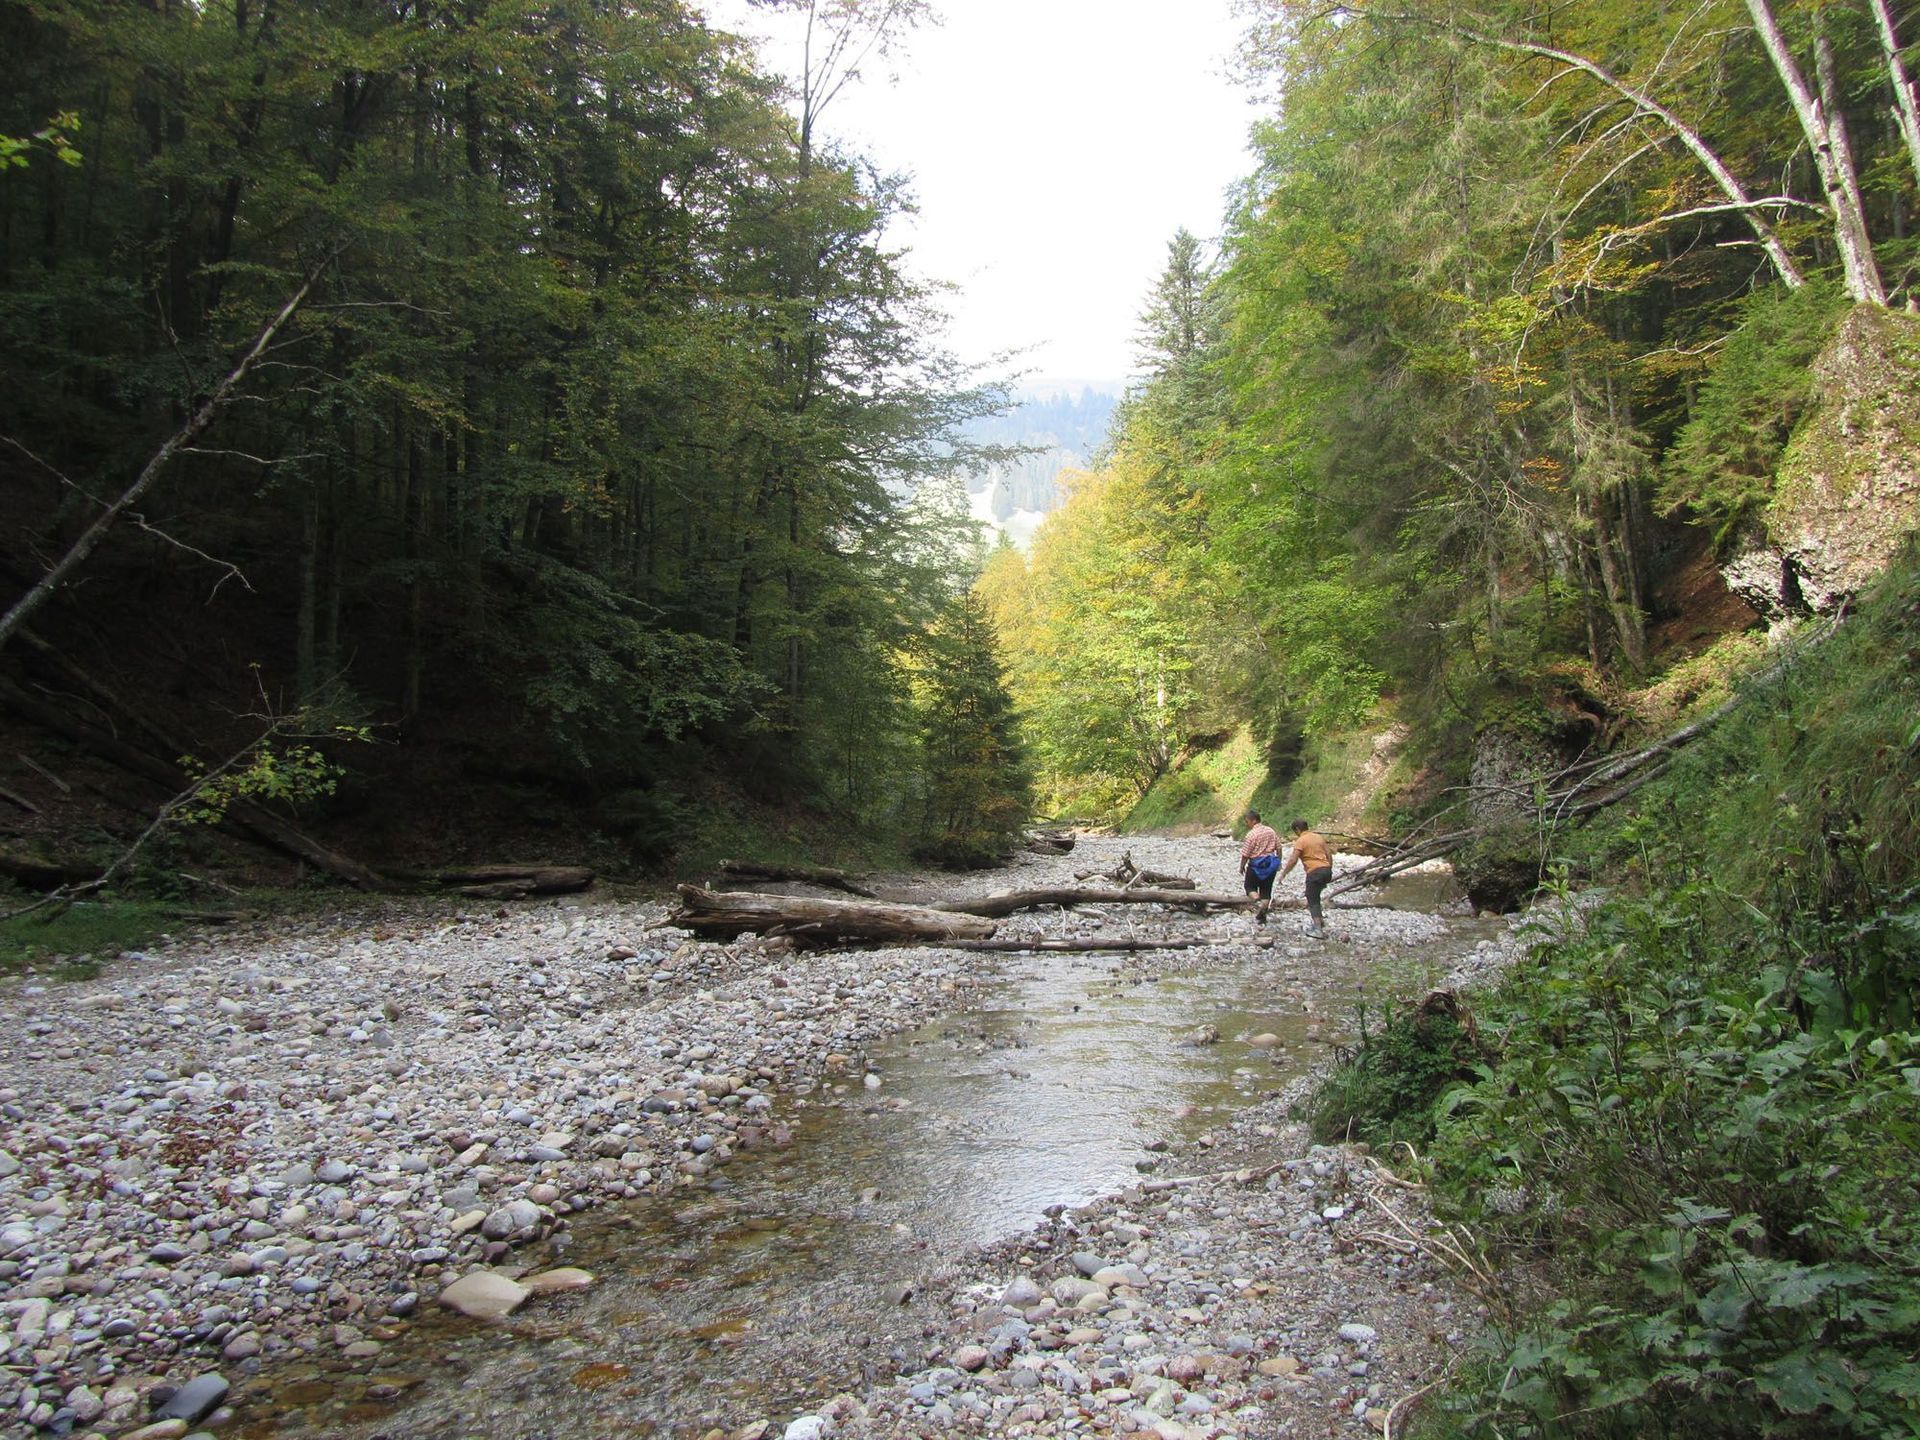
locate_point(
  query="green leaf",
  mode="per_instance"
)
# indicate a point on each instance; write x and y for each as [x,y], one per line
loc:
[1806,1381]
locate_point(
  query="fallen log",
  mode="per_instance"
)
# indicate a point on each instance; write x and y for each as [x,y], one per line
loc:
[999,906]
[40,872]
[811,921]
[821,875]
[511,881]
[1050,842]
[1073,946]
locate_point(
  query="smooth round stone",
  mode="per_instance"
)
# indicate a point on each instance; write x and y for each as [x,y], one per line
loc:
[564,1277]
[1021,1293]
[514,1216]
[484,1295]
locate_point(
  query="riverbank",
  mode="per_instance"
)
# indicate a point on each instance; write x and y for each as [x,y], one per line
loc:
[259,1147]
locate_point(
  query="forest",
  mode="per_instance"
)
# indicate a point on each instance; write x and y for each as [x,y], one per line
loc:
[516,410]
[439,432]
[1531,320]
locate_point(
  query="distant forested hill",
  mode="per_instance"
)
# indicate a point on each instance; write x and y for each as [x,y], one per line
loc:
[1069,423]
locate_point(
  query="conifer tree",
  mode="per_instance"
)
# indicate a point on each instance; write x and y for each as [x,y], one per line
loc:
[979,789]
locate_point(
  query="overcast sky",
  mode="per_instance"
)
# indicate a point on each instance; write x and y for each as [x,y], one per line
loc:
[1056,145]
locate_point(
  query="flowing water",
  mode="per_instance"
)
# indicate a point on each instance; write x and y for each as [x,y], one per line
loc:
[782,1279]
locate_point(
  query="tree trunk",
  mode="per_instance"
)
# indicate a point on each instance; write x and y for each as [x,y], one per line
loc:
[1821,123]
[999,906]
[201,418]
[1906,108]
[811,921]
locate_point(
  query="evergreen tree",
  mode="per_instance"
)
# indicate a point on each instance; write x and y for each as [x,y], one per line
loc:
[979,789]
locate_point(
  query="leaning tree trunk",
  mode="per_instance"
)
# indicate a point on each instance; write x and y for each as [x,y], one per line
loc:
[1821,123]
[1906,110]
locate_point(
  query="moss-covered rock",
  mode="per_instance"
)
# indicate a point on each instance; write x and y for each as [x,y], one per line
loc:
[1847,490]
[1500,870]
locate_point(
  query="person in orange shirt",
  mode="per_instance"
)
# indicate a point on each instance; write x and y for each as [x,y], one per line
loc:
[1310,853]
[1259,863]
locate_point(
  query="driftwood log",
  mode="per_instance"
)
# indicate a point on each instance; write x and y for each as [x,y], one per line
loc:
[1050,842]
[725,914]
[998,906]
[1088,945]
[821,875]
[517,881]
[1130,874]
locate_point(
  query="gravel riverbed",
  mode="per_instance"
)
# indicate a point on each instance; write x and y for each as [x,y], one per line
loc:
[258,1145]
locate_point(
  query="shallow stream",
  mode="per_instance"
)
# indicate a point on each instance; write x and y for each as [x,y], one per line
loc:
[786,1276]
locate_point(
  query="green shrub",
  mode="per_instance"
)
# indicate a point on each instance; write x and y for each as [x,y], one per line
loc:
[1385,1086]
[1717,1174]
[1700,1133]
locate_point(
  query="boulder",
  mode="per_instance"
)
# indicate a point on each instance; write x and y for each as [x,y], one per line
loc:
[1847,488]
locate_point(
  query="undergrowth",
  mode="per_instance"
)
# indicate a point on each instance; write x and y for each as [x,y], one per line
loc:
[1697,1125]
[82,935]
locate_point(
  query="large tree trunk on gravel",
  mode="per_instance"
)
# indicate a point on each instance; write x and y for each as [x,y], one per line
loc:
[809,921]
[516,881]
[1002,905]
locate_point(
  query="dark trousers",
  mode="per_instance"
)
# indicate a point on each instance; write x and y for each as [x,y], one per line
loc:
[1317,881]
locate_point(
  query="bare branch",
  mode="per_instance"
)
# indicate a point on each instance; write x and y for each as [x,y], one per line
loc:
[91,537]
[1783,263]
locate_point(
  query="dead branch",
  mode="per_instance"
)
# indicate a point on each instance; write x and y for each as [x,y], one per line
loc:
[201,418]
[44,773]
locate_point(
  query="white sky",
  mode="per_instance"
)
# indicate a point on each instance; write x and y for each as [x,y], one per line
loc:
[1055,145]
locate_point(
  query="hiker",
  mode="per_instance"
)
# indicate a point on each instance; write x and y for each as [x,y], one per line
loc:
[1259,863]
[1310,853]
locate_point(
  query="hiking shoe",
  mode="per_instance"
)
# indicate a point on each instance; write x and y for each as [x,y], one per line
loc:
[1259,917]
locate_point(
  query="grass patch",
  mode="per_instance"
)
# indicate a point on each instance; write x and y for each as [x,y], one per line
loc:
[1320,793]
[1696,684]
[84,935]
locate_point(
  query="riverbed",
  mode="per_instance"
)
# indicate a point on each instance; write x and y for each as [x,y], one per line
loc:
[875,1126]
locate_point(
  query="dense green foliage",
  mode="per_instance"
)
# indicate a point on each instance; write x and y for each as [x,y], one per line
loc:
[978,788]
[1385,1086]
[1512,320]
[598,431]
[1698,1127]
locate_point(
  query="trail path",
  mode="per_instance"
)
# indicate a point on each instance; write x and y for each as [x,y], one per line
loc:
[261,1156]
